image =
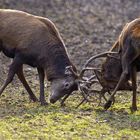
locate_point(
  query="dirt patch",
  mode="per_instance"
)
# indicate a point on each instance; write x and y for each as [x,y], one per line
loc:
[87,27]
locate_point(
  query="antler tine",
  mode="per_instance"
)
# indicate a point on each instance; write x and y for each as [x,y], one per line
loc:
[113,57]
[63,100]
[95,71]
[81,103]
[92,77]
[86,69]
[97,56]
[86,83]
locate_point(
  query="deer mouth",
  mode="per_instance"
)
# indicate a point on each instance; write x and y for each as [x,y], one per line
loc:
[52,101]
[54,98]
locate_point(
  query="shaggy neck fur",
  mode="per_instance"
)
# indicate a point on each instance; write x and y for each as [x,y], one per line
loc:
[57,62]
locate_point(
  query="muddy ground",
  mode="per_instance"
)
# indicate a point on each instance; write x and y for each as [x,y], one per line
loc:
[88,27]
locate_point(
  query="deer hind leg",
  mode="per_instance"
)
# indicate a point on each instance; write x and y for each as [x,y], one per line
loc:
[41,79]
[121,81]
[134,87]
[12,70]
[25,84]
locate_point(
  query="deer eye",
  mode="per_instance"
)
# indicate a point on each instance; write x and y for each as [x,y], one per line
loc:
[66,85]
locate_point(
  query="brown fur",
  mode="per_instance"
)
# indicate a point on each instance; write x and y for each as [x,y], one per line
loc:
[136,32]
[129,46]
[115,46]
[19,27]
[35,41]
[112,69]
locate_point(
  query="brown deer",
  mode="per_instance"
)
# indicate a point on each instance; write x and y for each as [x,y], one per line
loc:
[111,70]
[128,46]
[35,41]
[120,67]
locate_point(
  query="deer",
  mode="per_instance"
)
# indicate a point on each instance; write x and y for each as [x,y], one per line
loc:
[129,51]
[111,70]
[122,65]
[35,41]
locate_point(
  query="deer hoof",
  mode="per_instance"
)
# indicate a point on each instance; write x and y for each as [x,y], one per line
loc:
[108,104]
[133,109]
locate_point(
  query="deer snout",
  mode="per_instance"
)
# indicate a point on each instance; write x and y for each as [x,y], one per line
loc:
[52,100]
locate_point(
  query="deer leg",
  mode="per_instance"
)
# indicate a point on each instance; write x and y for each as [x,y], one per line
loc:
[113,98]
[121,81]
[25,84]
[134,87]
[12,70]
[127,58]
[104,96]
[41,79]
[100,98]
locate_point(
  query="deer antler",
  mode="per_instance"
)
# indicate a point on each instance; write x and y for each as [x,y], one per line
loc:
[85,83]
[86,69]
[98,56]
[113,57]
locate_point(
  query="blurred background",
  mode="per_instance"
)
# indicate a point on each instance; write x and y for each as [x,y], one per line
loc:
[87,27]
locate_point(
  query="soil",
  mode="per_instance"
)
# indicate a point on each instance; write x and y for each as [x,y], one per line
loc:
[88,27]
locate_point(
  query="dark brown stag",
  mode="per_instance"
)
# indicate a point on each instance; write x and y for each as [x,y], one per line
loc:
[35,41]
[120,67]
[123,66]
[111,70]
[129,52]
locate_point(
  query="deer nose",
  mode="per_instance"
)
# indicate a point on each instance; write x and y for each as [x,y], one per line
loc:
[52,101]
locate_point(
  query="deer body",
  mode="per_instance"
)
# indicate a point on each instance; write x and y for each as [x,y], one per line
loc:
[129,51]
[35,41]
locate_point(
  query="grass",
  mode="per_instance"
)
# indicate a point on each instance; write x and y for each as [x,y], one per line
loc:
[21,119]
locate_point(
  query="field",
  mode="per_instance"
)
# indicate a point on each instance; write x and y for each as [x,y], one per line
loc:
[88,27]
[22,119]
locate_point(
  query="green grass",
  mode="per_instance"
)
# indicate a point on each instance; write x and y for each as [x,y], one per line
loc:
[21,119]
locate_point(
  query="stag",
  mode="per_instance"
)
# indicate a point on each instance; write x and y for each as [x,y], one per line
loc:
[108,76]
[36,41]
[123,66]
[111,70]
[129,52]
[120,66]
